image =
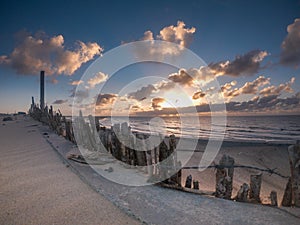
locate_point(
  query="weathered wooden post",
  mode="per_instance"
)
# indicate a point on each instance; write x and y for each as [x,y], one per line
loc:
[294,158]
[140,150]
[224,177]
[172,150]
[196,184]
[117,148]
[255,185]
[188,181]
[123,138]
[287,197]
[176,178]
[242,195]
[163,159]
[273,197]
[132,142]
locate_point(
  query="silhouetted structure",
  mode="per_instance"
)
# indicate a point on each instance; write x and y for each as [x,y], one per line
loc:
[42,90]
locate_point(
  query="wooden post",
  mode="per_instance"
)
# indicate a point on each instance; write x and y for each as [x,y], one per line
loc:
[188,182]
[140,150]
[294,158]
[172,150]
[176,178]
[255,185]
[287,197]
[196,184]
[273,197]
[242,195]
[163,159]
[224,177]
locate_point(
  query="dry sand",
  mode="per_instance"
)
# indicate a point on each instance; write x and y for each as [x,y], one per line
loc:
[37,188]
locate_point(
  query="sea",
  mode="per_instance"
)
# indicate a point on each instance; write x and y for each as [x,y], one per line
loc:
[265,129]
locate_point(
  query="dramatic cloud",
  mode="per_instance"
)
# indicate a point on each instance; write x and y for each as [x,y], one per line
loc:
[198,95]
[142,93]
[273,90]
[106,100]
[156,103]
[290,54]
[164,85]
[252,87]
[182,77]
[228,86]
[248,88]
[97,79]
[174,38]
[261,105]
[76,82]
[248,64]
[36,53]
[193,76]
[177,34]
[59,102]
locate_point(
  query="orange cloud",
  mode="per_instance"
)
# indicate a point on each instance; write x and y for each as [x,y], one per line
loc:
[39,52]
[97,79]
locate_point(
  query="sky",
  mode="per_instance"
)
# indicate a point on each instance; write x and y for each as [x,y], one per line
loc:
[250,48]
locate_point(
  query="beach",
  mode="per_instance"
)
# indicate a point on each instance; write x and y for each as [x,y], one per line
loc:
[262,156]
[37,187]
[40,185]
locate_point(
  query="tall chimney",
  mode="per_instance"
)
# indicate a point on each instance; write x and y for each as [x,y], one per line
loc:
[42,89]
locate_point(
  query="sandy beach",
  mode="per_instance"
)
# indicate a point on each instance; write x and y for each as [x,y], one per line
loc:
[40,186]
[36,187]
[259,155]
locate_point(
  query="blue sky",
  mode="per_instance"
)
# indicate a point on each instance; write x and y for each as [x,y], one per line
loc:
[224,29]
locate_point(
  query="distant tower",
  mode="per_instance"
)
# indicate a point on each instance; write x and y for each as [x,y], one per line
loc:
[42,89]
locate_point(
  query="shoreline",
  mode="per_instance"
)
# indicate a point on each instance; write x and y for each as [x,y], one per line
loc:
[142,202]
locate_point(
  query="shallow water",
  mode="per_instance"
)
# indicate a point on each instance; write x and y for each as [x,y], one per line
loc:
[279,129]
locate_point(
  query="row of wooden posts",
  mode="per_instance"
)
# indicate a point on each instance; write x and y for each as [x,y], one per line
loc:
[160,161]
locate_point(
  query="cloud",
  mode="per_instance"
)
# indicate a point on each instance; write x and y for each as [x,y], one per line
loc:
[267,104]
[198,95]
[247,64]
[79,95]
[156,103]
[148,36]
[59,102]
[174,39]
[182,77]
[164,85]
[177,34]
[39,52]
[252,87]
[97,79]
[76,82]
[290,54]
[273,90]
[142,93]
[106,100]
[136,108]
[193,76]
[53,80]
[248,88]
[228,86]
